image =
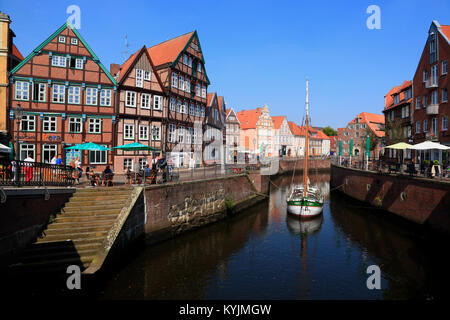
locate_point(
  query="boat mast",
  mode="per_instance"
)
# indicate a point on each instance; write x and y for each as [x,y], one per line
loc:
[305,169]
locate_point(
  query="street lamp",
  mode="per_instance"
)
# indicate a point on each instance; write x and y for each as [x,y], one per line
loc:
[18,114]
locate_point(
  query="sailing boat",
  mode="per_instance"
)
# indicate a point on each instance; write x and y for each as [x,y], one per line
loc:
[306,201]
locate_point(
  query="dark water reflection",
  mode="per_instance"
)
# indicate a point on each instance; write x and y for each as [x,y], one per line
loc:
[265,254]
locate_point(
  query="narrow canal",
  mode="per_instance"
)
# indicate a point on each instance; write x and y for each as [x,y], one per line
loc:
[265,254]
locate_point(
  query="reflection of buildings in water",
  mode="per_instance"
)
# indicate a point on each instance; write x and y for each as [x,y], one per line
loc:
[396,248]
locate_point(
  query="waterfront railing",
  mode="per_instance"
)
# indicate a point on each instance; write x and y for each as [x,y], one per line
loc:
[24,173]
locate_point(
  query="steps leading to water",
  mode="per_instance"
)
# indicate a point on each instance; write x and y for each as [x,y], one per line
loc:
[79,232]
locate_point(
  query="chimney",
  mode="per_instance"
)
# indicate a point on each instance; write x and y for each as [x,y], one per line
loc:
[114,69]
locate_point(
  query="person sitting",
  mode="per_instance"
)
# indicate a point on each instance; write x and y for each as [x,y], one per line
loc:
[107,176]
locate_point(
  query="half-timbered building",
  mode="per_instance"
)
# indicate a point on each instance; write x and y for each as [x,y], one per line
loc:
[68,98]
[141,110]
[181,66]
[213,130]
[232,132]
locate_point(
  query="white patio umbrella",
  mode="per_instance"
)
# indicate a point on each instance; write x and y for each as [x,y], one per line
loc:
[4,149]
[429,145]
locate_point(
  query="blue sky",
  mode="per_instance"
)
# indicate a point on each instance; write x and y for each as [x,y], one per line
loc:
[260,52]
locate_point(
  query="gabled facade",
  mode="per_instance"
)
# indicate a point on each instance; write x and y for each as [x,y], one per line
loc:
[141,108]
[68,98]
[222,106]
[283,137]
[298,140]
[398,113]
[212,130]
[232,136]
[180,65]
[9,58]
[357,130]
[430,87]
[256,131]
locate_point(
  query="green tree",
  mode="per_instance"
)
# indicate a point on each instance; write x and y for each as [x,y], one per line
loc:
[394,131]
[329,131]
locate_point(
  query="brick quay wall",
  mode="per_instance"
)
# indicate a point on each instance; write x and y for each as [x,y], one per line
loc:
[423,201]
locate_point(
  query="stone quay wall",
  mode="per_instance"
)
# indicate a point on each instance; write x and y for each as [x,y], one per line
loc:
[423,201]
[175,208]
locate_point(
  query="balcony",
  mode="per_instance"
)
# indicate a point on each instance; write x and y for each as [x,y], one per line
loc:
[431,83]
[432,109]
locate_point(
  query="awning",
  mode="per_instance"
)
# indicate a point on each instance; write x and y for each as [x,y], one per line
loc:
[4,149]
[429,145]
[399,146]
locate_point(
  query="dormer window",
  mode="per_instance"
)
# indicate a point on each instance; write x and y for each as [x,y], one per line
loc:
[396,99]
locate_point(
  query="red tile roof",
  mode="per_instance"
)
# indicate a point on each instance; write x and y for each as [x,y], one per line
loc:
[220,102]
[249,118]
[389,98]
[446,30]
[373,121]
[126,65]
[16,52]
[277,121]
[169,50]
[295,129]
[209,98]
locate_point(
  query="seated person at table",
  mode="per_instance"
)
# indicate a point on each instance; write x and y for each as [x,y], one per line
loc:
[107,174]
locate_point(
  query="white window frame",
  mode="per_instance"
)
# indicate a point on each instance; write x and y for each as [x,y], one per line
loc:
[105,97]
[59,61]
[74,97]
[174,80]
[147,75]
[156,133]
[157,102]
[173,104]
[143,132]
[74,41]
[130,96]
[92,96]
[76,121]
[52,149]
[180,134]
[126,165]
[146,99]
[62,39]
[29,119]
[181,83]
[187,85]
[139,78]
[95,125]
[97,154]
[434,97]
[22,90]
[79,63]
[42,91]
[56,93]
[172,132]
[128,131]
[27,148]
[444,70]
[445,121]
[203,92]
[48,122]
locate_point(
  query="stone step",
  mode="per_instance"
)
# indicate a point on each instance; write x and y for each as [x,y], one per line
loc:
[76,229]
[103,190]
[91,197]
[65,218]
[95,202]
[71,242]
[74,212]
[92,208]
[73,236]
[49,256]
[78,225]
[60,246]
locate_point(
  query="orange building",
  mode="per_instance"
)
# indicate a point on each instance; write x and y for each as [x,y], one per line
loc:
[68,97]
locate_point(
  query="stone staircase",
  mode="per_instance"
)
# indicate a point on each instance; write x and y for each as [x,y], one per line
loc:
[77,234]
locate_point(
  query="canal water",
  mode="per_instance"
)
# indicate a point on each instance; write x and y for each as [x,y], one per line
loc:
[265,254]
